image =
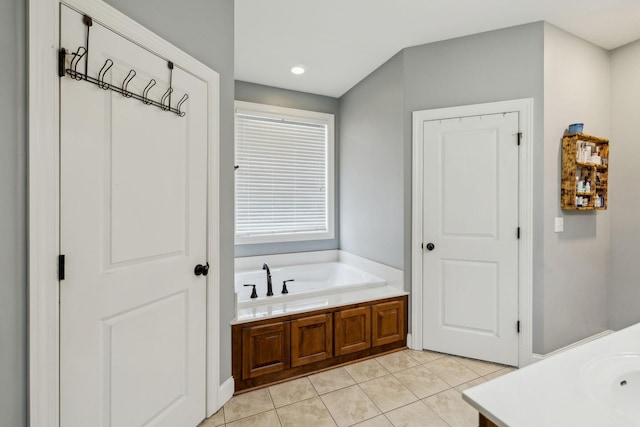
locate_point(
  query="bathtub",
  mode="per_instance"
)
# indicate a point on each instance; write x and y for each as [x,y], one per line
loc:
[321,279]
[309,280]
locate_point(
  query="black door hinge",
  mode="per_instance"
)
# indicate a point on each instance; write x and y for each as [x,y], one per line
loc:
[60,267]
[519,137]
[518,326]
[62,53]
[518,232]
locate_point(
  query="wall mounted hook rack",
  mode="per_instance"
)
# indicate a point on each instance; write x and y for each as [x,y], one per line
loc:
[83,53]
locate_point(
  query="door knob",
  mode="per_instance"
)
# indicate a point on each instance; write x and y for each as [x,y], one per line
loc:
[201,269]
[430,246]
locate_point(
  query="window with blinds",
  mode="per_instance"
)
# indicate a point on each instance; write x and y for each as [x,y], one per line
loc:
[284,178]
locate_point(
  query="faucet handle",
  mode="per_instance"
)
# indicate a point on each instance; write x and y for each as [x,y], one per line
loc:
[284,285]
[254,294]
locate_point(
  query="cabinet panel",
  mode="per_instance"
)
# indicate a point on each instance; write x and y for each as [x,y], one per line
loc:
[265,349]
[311,339]
[388,322]
[352,330]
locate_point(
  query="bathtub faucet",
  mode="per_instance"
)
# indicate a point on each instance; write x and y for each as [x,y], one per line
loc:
[269,285]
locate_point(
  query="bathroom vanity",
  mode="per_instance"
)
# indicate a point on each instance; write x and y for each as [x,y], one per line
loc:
[596,384]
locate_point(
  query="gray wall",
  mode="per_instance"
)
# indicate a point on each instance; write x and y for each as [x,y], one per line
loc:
[376,134]
[488,67]
[251,92]
[624,192]
[576,261]
[371,166]
[205,30]
[13,234]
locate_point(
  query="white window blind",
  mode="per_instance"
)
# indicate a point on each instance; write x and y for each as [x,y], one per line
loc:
[282,180]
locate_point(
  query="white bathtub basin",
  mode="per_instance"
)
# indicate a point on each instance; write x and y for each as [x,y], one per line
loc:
[323,279]
[614,381]
[309,279]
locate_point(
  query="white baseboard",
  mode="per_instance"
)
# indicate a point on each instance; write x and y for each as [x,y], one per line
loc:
[410,341]
[538,357]
[225,392]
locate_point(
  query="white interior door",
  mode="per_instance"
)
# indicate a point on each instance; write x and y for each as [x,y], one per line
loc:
[133,185]
[470,216]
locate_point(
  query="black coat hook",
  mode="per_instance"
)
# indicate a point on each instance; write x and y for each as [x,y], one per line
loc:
[126,82]
[103,71]
[145,92]
[182,100]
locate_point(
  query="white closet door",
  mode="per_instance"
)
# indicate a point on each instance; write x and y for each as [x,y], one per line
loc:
[133,227]
[470,216]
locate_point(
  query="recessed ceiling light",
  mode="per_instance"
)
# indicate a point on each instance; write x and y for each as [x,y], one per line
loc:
[298,69]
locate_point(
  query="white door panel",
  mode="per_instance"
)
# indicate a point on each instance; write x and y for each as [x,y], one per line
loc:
[133,226]
[470,214]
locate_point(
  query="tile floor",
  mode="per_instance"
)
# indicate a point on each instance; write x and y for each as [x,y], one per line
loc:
[405,388]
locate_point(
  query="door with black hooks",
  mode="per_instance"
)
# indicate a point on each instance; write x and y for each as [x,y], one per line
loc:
[133,228]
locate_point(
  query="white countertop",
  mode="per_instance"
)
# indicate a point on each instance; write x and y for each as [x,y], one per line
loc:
[296,304]
[553,392]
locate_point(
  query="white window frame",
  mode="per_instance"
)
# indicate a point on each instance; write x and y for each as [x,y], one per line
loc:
[314,117]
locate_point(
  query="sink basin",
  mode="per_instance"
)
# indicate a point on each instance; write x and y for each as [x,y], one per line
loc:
[614,381]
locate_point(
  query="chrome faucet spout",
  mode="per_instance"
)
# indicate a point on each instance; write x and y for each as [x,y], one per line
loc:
[269,285]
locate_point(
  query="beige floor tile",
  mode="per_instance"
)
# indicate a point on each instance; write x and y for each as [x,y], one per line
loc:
[292,392]
[499,373]
[478,366]
[472,383]
[349,406]
[265,419]
[310,413]
[421,381]
[450,407]
[416,414]
[366,370]
[247,404]
[397,361]
[388,393]
[424,356]
[451,371]
[379,421]
[335,379]
[214,420]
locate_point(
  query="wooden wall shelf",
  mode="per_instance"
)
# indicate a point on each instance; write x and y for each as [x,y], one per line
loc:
[585,172]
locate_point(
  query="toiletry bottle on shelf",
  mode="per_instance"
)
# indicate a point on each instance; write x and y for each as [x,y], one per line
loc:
[596,202]
[587,187]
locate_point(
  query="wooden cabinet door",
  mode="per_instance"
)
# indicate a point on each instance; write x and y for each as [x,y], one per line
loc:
[388,322]
[265,349]
[311,339]
[352,330]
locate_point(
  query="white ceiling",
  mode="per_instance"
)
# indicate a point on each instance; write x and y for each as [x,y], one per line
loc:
[342,41]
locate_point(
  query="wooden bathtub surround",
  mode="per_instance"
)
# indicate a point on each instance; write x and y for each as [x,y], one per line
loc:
[272,350]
